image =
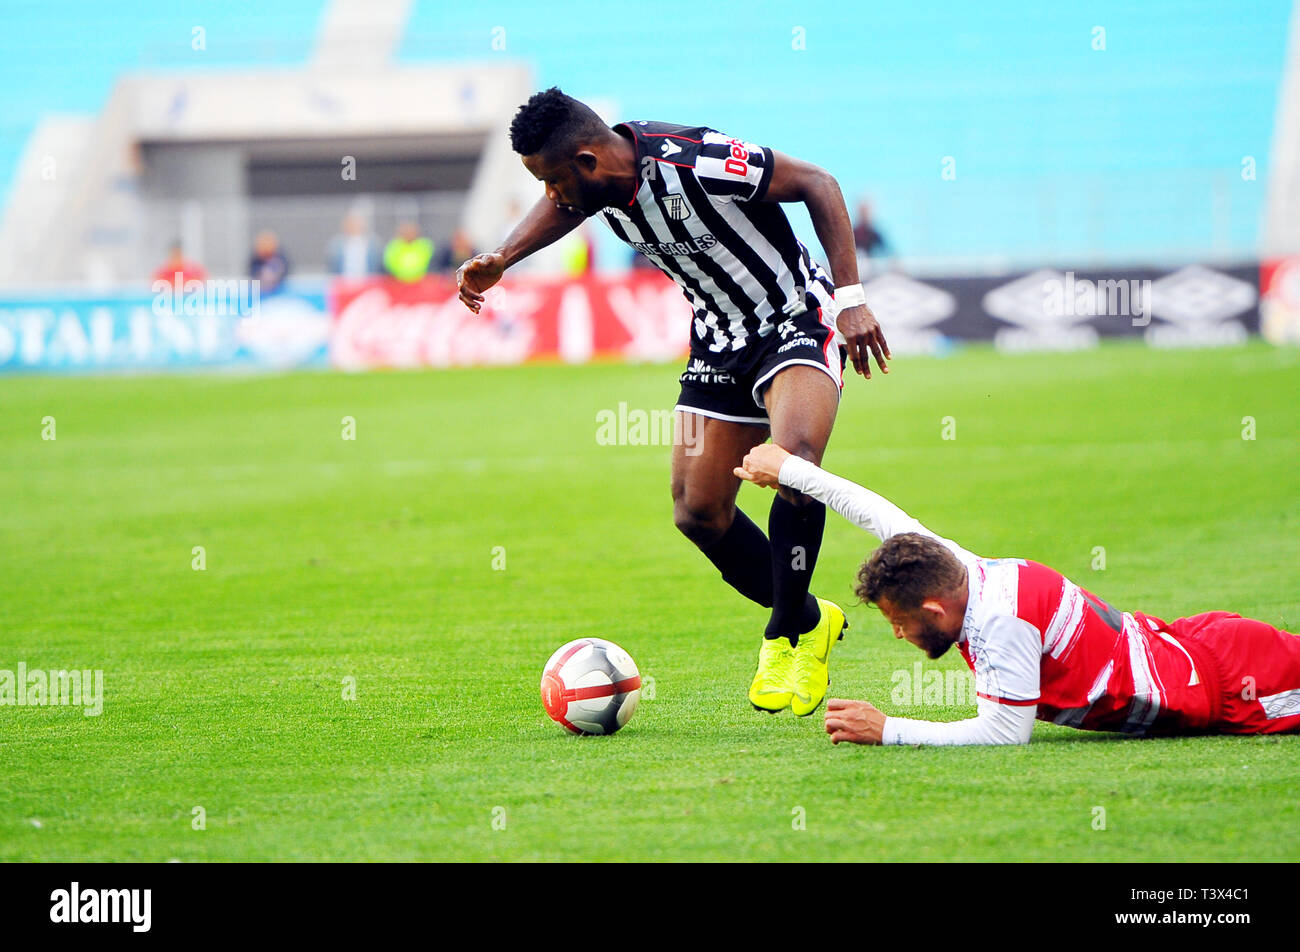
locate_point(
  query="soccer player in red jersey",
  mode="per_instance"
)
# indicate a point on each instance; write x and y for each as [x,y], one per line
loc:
[1040,645]
[770,332]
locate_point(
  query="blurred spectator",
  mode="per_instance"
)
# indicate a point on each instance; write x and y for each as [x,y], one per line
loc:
[354,252]
[871,243]
[176,270]
[547,261]
[514,215]
[268,265]
[579,252]
[408,255]
[459,251]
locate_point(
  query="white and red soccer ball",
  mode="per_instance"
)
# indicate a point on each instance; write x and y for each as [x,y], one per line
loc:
[591,686]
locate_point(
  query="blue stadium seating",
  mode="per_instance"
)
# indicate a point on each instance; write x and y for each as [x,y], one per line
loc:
[1062,152]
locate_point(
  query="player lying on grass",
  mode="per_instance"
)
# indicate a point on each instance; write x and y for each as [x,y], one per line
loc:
[1040,645]
[704,208]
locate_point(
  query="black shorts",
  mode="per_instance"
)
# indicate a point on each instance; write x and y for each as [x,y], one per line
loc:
[729,385]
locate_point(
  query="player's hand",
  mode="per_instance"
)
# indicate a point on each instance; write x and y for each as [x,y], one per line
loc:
[864,337]
[477,275]
[857,722]
[762,465]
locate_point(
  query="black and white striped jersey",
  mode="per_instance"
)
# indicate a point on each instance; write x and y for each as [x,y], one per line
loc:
[697,214]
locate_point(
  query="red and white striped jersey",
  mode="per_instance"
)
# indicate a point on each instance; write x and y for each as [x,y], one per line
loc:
[1036,639]
[1032,636]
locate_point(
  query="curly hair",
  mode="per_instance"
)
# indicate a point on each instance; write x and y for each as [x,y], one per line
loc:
[552,121]
[907,569]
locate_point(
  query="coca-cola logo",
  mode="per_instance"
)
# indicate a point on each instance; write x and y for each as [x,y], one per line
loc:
[374,330]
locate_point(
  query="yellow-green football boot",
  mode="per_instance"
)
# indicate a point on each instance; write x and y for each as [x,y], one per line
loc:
[770,689]
[812,655]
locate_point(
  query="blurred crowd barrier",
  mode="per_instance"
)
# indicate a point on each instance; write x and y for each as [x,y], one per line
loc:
[373,323]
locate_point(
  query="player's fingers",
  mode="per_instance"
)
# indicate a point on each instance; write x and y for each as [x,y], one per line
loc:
[834,724]
[880,356]
[884,343]
[745,474]
[836,704]
[862,358]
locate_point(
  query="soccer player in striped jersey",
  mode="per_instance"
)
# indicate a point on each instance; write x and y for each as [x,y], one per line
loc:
[765,354]
[1040,645]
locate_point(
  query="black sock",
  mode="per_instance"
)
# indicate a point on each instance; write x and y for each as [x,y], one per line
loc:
[744,558]
[796,533]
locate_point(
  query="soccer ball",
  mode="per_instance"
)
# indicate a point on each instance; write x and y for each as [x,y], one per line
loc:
[591,686]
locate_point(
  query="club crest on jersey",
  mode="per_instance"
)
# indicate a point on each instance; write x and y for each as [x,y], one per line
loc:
[675,207]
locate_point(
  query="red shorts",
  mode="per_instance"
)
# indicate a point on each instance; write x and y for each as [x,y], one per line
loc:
[1256,668]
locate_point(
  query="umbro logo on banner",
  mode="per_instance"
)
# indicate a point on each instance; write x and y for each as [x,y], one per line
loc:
[675,207]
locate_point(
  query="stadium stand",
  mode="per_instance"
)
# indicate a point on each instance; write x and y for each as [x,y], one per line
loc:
[1068,145]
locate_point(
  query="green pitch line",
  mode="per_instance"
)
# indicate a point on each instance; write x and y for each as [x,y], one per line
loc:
[327,559]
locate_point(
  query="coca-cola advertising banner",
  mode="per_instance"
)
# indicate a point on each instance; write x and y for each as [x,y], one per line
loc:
[641,316]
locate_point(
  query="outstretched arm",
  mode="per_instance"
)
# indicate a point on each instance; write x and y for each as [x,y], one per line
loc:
[1008,677]
[770,465]
[544,224]
[859,722]
[794,180]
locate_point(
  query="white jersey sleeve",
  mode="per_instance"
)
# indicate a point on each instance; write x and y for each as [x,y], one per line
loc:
[1008,656]
[859,505]
[994,724]
[732,170]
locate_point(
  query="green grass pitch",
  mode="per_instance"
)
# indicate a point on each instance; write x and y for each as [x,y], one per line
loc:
[372,559]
